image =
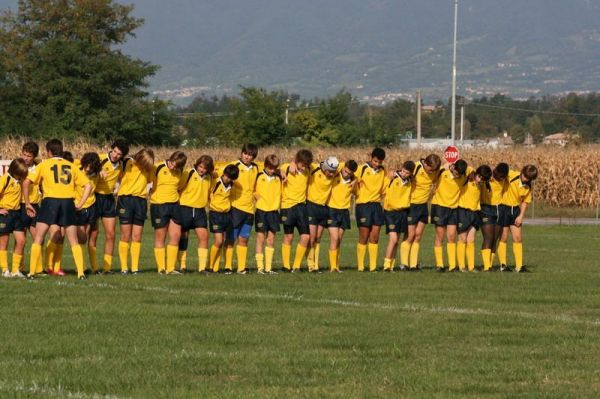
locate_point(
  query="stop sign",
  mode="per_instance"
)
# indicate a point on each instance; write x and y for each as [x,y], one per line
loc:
[451,154]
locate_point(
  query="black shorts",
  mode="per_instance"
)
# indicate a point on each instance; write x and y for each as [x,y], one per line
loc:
[418,213]
[162,214]
[467,219]
[240,218]
[266,221]
[132,210]
[10,222]
[396,221]
[59,211]
[106,206]
[192,218]
[369,214]
[488,214]
[339,218]
[317,214]
[443,216]
[86,216]
[27,221]
[294,217]
[507,215]
[220,222]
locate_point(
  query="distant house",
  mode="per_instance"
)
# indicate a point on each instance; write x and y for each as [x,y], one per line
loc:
[560,139]
[427,109]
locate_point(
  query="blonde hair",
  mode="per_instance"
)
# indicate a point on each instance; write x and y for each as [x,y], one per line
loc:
[144,158]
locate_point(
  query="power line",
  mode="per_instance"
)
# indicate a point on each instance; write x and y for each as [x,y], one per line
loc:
[533,111]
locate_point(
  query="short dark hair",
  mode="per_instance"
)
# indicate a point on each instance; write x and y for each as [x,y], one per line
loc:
[122,145]
[272,161]
[32,148]
[67,155]
[231,171]
[207,162]
[461,167]
[501,171]
[530,172]
[378,153]
[352,165]
[250,149]
[410,166]
[55,147]
[304,156]
[18,169]
[92,160]
[485,172]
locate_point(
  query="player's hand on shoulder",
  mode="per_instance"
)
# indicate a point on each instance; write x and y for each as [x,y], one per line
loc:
[3,211]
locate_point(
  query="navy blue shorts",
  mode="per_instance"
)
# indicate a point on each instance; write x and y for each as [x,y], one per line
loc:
[266,221]
[27,221]
[507,215]
[192,218]
[396,221]
[220,222]
[467,219]
[369,214]
[339,218]
[59,211]
[106,206]
[418,213]
[162,214]
[317,214]
[242,223]
[10,222]
[488,214]
[87,216]
[444,216]
[294,218]
[132,210]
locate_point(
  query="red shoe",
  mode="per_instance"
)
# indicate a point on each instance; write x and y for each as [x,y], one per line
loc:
[49,272]
[60,272]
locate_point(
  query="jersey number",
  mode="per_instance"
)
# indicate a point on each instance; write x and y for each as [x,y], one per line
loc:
[65,174]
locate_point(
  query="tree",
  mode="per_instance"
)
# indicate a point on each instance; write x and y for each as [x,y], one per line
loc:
[63,74]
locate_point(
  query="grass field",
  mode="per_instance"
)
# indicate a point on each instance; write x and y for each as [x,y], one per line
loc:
[302,335]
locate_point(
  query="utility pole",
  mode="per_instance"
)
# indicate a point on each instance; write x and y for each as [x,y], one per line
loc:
[452,125]
[287,111]
[462,123]
[418,105]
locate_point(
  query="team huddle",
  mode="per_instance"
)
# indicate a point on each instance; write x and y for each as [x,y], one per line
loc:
[61,197]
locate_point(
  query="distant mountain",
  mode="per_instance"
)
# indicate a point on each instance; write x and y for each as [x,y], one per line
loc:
[371,47]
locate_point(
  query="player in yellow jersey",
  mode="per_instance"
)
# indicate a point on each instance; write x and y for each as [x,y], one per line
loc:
[219,216]
[194,191]
[29,153]
[516,197]
[469,218]
[395,209]
[424,180]
[164,211]
[444,212]
[338,208]
[132,206]
[293,208]
[369,213]
[86,216]
[491,198]
[10,217]
[320,183]
[242,208]
[112,168]
[58,179]
[267,193]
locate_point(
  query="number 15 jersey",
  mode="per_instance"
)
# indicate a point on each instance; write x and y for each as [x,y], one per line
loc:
[58,178]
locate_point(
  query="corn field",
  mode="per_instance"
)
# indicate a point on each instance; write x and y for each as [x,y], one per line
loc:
[568,177]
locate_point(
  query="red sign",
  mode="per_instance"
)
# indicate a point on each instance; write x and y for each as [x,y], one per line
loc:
[451,154]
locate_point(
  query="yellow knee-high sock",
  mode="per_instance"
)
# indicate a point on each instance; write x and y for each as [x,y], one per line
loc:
[172,251]
[361,251]
[242,253]
[159,257]
[260,262]
[202,259]
[136,250]
[438,253]
[269,252]
[39,267]
[501,251]
[310,258]
[228,258]
[492,258]
[215,258]
[333,257]
[182,260]
[413,259]
[4,260]
[387,264]
[404,253]
[16,262]
[78,259]
[50,249]
[471,256]
[317,251]
[58,251]
[107,262]
[92,256]
[461,248]
[486,259]
[35,255]
[123,256]
[373,248]
[518,253]
[451,251]
[286,255]
[300,253]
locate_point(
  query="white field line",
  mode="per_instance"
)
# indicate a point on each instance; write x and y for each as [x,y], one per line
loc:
[55,392]
[407,307]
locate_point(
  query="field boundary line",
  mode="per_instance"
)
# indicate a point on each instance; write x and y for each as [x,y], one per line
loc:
[57,392]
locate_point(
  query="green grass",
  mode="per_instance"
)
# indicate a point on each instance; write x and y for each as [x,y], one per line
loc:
[354,334]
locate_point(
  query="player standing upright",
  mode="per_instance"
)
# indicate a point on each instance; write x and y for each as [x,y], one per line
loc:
[29,153]
[491,229]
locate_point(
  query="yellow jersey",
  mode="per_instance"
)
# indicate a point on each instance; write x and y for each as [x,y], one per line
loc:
[220,196]
[194,189]
[294,187]
[35,196]
[397,193]
[134,181]
[93,180]
[319,185]
[515,191]
[371,184]
[112,171]
[447,191]
[470,195]
[491,194]
[341,192]
[422,182]
[242,196]
[268,190]
[58,178]
[10,193]
[165,184]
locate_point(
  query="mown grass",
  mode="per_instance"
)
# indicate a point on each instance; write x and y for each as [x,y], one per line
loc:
[354,334]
